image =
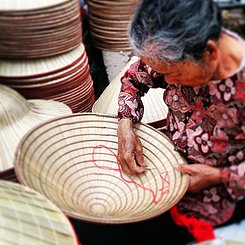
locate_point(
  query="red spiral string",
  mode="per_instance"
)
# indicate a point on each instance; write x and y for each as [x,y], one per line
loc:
[164,175]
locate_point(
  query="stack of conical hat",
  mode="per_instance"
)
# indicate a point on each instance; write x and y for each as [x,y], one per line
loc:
[65,78]
[155,110]
[72,160]
[32,29]
[17,117]
[109,21]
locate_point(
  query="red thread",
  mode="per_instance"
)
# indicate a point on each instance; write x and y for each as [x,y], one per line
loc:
[200,230]
[164,189]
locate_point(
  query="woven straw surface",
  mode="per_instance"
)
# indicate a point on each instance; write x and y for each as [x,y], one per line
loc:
[72,160]
[39,67]
[17,116]
[26,217]
[65,78]
[154,107]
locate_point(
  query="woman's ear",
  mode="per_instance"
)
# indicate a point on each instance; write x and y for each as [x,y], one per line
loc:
[211,50]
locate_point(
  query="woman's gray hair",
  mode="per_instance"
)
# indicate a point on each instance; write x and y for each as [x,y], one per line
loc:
[174,30]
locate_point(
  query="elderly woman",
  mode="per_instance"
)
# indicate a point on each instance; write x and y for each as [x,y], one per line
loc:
[184,49]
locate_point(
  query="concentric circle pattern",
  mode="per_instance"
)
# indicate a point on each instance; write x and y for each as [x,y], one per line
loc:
[26,217]
[72,161]
[17,116]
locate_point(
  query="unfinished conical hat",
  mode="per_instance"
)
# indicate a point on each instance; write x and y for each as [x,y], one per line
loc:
[27,217]
[154,107]
[17,116]
[73,161]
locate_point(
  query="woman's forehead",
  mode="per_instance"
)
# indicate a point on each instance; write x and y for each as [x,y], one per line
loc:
[165,67]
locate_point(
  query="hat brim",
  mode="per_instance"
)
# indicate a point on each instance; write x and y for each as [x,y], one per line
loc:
[27,217]
[72,160]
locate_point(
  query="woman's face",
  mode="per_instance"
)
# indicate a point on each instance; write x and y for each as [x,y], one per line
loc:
[187,73]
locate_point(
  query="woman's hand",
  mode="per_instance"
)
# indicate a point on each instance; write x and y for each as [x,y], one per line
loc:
[130,151]
[201,176]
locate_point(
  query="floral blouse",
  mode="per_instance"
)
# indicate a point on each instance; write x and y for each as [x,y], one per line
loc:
[206,125]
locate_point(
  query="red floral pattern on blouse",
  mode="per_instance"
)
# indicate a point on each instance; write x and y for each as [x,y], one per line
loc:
[206,125]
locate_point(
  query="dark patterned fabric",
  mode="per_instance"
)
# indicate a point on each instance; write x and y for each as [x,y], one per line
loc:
[206,125]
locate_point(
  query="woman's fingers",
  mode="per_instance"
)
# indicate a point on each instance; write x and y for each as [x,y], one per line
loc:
[139,153]
[130,164]
[129,148]
[124,166]
[184,168]
[136,161]
[140,164]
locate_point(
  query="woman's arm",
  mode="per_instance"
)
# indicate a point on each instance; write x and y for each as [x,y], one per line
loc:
[135,83]
[201,176]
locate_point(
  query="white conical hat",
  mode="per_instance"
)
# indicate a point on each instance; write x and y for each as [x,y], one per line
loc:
[27,217]
[39,67]
[154,107]
[17,116]
[72,160]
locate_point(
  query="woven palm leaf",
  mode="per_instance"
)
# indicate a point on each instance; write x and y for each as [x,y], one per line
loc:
[39,67]
[154,108]
[27,217]
[17,116]
[72,160]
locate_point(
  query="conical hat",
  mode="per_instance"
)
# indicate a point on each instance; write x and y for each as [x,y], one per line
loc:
[115,15]
[17,116]
[65,78]
[72,160]
[40,67]
[154,107]
[27,217]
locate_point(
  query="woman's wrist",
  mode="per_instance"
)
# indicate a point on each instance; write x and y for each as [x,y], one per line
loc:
[125,121]
[216,177]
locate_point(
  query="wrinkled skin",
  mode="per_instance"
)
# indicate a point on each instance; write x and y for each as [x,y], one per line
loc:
[187,73]
[201,176]
[130,154]
[130,151]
